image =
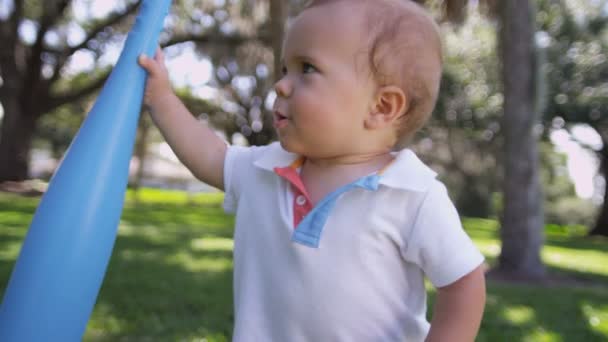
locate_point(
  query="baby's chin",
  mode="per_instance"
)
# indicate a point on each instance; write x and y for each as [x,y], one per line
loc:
[286,146]
[292,147]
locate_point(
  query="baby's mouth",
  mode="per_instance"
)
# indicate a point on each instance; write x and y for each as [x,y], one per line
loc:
[279,116]
[280,120]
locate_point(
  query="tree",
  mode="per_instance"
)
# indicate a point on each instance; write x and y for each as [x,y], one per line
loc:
[522,219]
[32,71]
[245,74]
[462,140]
[577,71]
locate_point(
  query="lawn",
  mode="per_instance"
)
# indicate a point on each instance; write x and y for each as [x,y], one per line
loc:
[169,278]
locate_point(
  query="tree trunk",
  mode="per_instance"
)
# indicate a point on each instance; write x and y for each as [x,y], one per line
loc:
[474,201]
[601,223]
[141,146]
[15,140]
[522,220]
[278,17]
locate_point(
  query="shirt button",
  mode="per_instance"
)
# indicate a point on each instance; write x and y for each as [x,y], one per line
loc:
[300,200]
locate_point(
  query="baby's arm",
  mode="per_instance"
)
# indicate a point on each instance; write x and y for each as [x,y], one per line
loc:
[195,144]
[459,308]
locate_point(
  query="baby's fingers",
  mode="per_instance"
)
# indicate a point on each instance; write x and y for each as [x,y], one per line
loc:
[150,65]
[159,56]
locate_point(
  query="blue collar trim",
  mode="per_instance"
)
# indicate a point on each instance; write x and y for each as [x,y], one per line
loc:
[308,232]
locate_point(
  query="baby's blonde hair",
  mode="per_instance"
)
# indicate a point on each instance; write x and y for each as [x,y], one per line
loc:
[404,50]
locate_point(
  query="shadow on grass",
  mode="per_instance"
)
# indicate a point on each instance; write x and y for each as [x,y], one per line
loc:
[520,313]
[489,229]
[16,211]
[578,278]
[164,291]
[160,292]
[15,203]
[572,245]
[169,278]
[581,243]
[207,216]
[15,216]
[532,313]
[567,277]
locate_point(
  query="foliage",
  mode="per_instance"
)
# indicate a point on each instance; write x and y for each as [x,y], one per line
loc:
[170,276]
[575,37]
[562,206]
[462,141]
[59,53]
[59,127]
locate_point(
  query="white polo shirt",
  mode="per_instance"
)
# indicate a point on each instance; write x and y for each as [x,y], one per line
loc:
[354,268]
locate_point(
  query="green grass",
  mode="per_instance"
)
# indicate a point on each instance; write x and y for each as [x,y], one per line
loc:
[169,278]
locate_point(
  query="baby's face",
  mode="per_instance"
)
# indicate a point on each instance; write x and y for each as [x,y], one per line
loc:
[326,89]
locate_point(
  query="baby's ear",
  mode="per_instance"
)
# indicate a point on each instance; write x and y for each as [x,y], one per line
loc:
[389,105]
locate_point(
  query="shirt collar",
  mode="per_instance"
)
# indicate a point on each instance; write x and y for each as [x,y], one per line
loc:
[406,172]
[274,156]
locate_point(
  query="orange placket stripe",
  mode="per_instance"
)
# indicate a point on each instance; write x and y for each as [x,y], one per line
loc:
[381,171]
[290,173]
[300,207]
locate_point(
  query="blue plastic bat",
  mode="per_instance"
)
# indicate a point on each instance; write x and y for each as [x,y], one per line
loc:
[63,260]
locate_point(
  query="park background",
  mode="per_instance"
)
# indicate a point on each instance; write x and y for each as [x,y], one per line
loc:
[519,136]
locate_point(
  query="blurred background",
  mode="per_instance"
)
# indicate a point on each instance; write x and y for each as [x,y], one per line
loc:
[519,134]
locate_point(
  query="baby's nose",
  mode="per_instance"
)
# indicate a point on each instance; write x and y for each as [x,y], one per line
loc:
[283,87]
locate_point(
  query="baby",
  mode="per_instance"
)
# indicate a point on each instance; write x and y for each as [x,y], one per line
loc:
[335,232]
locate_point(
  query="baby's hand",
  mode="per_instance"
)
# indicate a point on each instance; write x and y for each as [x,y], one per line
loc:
[158,86]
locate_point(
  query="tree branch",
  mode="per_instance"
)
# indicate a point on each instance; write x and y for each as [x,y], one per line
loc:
[61,99]
[9,43]
[64,55]
[278,16]
[454,161]
[52,12]
[9,28]
[219,39]
[15,18]
[585,145]
[110,20]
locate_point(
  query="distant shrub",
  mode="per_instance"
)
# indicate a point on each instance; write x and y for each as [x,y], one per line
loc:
[571,211]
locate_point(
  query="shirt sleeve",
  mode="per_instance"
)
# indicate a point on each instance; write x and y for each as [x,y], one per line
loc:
[437,242]
[238,162]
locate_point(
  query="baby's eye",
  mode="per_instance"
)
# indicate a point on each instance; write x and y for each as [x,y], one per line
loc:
[308,68]
[284,70]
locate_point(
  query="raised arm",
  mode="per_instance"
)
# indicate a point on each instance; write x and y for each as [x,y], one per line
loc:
[459,309]
[195,144]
